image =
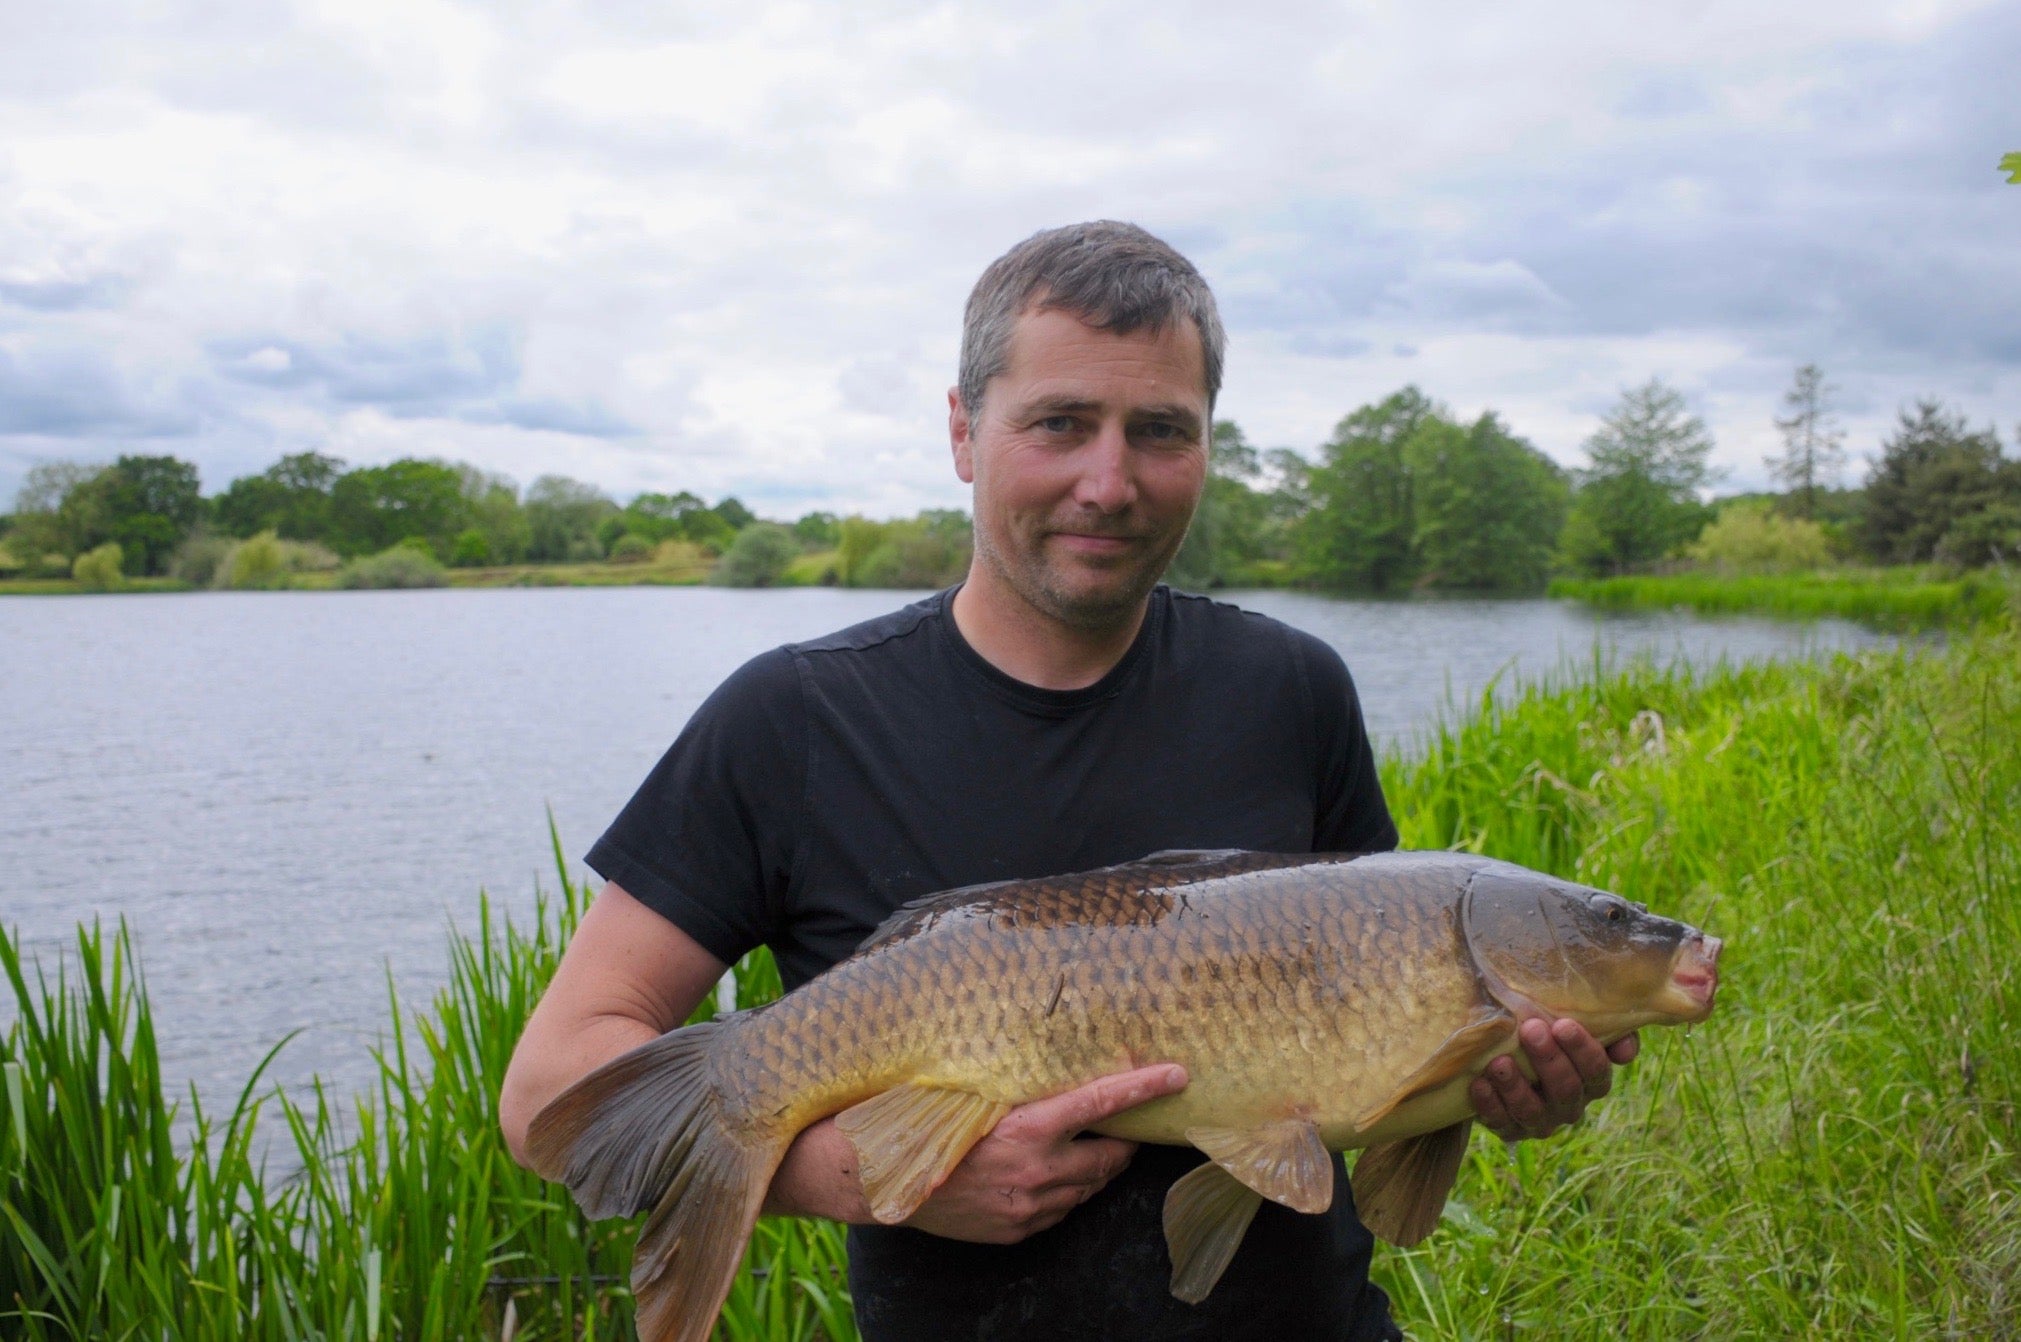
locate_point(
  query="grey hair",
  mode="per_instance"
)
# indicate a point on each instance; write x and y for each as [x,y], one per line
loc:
[1115,277]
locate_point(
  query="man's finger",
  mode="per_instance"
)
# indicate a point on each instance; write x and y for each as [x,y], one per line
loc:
[1518,1099]
[1624,1050]
[1105,1097]
[1562,1084]
[1583,1051]
[1488,1106]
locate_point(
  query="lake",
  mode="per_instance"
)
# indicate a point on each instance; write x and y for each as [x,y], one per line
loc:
[289,796]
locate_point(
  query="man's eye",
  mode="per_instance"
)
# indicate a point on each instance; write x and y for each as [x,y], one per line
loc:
[1057,424]
[1159,432]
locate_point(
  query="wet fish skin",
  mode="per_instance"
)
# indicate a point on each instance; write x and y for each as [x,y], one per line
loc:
[1318,1003]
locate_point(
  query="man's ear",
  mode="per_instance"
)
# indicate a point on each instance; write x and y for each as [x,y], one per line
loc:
[960,437]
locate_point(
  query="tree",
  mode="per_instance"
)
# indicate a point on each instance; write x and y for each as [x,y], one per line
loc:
[660,517]
[562,515]
[1936,476]
[1356,532]
[1813,449]
[290,498]
[818,530]
[53,514]
[375,507]
[735,513]
[147,505]
[1638,501]
[1228,526]
[758,558]
[1487,506]
[491,501]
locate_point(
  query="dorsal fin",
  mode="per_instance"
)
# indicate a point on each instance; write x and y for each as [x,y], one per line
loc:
[914,911]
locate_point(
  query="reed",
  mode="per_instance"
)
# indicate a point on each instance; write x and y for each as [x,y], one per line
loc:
[1901,598]
[1831,1155]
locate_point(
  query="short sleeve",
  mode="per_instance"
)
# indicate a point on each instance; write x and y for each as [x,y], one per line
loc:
[707,840]
[1352,816]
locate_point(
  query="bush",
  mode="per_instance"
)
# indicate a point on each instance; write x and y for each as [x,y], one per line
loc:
[401,566]
[1752,537]
[265,562]
[198,559]
[99,569]
[631,548]
[757,557]
[471,550]
[10,564]
[254,564]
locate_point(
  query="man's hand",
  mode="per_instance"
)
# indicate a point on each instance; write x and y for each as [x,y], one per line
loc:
[1572,1071]
[1035,1167]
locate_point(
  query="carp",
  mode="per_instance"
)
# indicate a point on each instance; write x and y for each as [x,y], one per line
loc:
[1319,1003]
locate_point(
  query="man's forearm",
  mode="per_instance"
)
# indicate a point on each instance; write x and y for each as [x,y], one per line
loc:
[818,1177]
[547,1062]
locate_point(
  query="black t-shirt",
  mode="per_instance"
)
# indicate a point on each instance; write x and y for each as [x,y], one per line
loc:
[826,783]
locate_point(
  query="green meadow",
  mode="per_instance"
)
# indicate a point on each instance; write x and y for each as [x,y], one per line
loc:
[1831,1155]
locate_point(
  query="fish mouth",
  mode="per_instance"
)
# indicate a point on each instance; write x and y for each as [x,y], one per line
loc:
[1696,974]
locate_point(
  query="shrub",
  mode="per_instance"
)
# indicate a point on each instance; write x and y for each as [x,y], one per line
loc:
[9,563]
[199,558]
[471,550]
[401,566]
[1751,537]
[265,561]
[99,569]
[254,564]
[757,557]
[631,548]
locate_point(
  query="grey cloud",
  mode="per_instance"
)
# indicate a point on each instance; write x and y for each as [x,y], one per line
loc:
[429,375]
[474,379]
[1474,292]
[1868,226]
[553,415]
[1664,93]
[75,394]
[66,294]
[878,386]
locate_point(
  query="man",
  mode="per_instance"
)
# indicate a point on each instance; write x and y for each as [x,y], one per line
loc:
[1056,712]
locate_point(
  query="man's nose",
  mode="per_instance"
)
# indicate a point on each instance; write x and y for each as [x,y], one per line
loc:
[1106,482]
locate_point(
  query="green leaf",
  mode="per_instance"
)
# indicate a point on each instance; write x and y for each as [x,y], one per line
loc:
[2011,165]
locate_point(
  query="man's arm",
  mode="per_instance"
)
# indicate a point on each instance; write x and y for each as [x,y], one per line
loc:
[629,975]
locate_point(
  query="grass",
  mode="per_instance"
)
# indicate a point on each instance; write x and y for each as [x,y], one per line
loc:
[1831,1155]
[1897,598]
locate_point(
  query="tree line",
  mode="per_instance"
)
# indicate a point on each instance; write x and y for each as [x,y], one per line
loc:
[1403,495]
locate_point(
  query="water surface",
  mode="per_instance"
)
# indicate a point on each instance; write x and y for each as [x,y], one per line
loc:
[290,795]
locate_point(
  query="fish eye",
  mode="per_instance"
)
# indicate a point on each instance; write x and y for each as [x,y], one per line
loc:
[1613,909]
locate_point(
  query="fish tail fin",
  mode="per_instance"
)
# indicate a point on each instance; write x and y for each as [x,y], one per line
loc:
[647,1130]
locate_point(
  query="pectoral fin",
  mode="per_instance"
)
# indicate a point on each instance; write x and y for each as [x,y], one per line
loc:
[1285,1161]
[1206,1214]
[1400,1187]
[1460,1051]
[909,1138]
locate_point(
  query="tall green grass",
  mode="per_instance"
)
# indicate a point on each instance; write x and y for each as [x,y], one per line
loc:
[1903,598]
[1832,1155]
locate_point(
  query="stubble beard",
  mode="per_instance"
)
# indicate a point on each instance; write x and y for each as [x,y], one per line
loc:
[1038,586]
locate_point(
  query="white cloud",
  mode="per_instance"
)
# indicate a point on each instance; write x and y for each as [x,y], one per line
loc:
[724,247]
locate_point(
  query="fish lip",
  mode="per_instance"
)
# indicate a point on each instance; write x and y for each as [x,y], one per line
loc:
[1697,972]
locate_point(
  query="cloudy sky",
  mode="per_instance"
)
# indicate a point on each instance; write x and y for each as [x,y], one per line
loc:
[724,246]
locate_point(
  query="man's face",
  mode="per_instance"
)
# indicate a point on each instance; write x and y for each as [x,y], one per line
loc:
[1088,457]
